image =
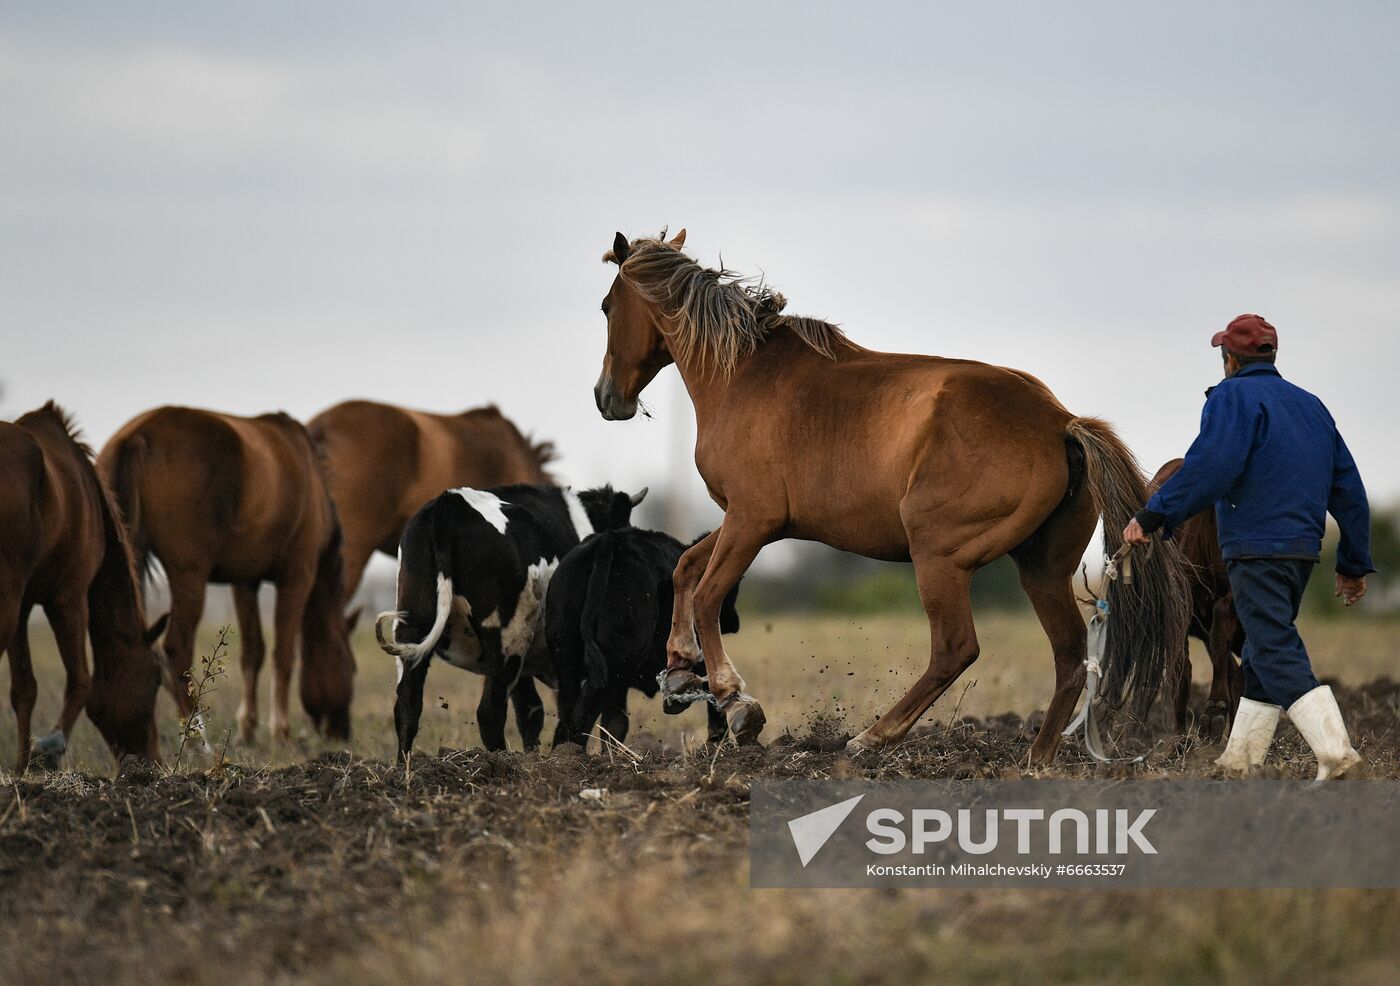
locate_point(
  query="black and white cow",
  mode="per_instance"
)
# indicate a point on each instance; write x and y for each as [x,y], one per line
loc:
[606,621]
[473,569]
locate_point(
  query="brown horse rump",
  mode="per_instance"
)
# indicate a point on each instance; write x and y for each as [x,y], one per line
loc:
[241,500]
[384,462]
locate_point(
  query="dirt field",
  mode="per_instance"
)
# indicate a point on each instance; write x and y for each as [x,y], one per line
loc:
[327,865]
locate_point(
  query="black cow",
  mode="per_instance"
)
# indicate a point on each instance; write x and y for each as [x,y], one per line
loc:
[606,620]
[473,569]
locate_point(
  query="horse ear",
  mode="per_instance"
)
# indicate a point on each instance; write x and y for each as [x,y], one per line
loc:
[352,618]
[621,248]
[639,496]
[157,628]
[678,240]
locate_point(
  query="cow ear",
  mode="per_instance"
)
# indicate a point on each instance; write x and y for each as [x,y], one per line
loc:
[157,628]
[352,619]
[639,496]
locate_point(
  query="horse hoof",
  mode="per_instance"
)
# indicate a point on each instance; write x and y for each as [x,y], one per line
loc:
[55,744]
[746,719]
[1215,722]
[47,752]
[863,743]
[680,688]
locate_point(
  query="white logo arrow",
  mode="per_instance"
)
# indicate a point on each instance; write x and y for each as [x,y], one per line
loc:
[811,831]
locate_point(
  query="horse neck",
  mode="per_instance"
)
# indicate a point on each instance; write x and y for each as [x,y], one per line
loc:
[708,387]
[323,605]
[116,617]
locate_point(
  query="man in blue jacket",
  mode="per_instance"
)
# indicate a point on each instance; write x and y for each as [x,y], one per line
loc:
[1270,458]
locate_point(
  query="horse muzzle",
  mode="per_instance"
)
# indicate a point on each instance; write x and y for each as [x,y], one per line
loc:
[611,404]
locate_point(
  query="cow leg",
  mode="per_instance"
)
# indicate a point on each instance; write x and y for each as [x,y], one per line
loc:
[289,612]
[69,619]
[716,725]
[491,709]
[567,703]
[24,690]
[252,650]
[408,702]
[682,647]
[1224,697]
[529,711]
[615,719]
[734,552]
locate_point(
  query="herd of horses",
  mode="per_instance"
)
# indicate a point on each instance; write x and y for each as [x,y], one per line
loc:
[801,433]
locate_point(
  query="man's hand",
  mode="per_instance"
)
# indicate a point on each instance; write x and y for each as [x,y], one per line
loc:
[1134,534]
[1350,587]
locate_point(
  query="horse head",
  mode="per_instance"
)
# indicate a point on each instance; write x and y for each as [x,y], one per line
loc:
[637,348]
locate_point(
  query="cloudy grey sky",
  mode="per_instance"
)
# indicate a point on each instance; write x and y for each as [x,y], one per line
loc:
[247,207]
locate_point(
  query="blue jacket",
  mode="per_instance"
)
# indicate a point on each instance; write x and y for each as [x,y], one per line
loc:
[1270,458]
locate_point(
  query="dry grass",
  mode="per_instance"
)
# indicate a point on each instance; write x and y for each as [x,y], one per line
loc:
[490,868]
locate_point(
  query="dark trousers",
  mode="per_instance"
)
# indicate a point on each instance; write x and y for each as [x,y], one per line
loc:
[1268,592]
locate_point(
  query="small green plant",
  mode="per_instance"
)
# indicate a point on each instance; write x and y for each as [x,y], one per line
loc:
[199,685]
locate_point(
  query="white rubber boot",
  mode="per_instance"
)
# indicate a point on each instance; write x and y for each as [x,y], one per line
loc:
[1250,736]
[1320,721]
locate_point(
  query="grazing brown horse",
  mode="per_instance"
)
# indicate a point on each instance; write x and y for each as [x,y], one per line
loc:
[62,548]
[384,462]
[222,498]
[1213,619]
[947,463]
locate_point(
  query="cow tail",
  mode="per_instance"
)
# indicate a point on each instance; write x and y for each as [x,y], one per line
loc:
[595,663]
[411,654]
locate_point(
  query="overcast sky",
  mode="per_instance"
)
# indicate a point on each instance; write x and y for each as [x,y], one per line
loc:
[248,208]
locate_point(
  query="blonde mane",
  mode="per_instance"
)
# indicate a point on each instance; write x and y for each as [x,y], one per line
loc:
[719,317]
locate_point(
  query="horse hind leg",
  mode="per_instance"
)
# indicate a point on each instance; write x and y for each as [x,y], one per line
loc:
[290,610]
[1226,686]
[1047,563]
[252,651]
[1052,598]
[944,591]
[177,647]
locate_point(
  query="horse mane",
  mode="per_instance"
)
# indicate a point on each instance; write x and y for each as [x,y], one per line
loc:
[64,421]
[719,316]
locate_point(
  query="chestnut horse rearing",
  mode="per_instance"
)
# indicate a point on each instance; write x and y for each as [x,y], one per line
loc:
[947,463]
[63,548]
[222,498]
[384,462]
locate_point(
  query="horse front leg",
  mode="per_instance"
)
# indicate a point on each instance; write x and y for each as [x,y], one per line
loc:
[683,647]
[69,619]
[734,551]
[24,689]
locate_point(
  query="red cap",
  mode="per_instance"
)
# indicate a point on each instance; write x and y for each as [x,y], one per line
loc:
[1247,335]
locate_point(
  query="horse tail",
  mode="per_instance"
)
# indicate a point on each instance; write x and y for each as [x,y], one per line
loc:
[595,662]
[1150,613]
[125,480]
